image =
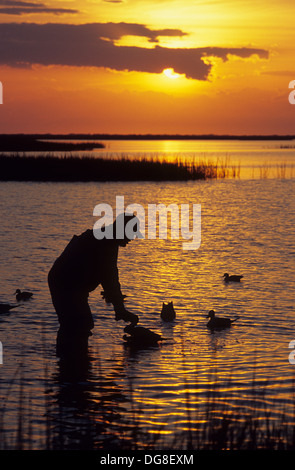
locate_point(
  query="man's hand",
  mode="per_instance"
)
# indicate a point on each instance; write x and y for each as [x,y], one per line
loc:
[123,314]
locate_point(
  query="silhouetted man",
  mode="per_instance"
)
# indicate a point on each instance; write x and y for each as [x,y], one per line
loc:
[85,263]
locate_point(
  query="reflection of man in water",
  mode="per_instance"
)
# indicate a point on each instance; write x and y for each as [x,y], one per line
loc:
[85,263]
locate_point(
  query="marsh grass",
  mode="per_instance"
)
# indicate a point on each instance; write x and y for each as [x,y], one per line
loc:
[264,171]
[136,167]
[18,167]
[280,170]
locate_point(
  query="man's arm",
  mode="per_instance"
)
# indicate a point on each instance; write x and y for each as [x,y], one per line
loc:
[112,287]
[110,276]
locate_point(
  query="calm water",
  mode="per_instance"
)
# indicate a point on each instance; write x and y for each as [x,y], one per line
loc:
[150,396]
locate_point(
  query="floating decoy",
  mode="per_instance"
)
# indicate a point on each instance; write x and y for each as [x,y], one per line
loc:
[168,312]
[140,337]
[22,295]
[219,322]
[4,308]
[232,278]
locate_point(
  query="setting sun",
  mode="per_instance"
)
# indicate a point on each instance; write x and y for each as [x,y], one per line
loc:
[171,74]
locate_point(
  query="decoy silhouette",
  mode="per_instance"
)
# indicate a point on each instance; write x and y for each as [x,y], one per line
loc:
[168,312]
[140,337]
[22,295]
[232,278]
[219,322]
[4,308]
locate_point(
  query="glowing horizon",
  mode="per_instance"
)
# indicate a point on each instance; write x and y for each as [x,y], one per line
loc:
[147,67]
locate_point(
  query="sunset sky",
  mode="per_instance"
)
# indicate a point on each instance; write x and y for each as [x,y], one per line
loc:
[156,66]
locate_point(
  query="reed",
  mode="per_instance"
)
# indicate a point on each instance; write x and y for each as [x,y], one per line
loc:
[264,171]
[281,170]
[71,168]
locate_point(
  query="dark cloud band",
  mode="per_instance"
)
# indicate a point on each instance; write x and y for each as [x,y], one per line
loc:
[11,7]
[93,45]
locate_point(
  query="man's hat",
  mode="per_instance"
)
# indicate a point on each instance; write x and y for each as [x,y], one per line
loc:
[127,226]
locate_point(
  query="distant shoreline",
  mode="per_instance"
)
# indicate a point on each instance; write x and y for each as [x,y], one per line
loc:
[14,139]
[83,142]
[38,143]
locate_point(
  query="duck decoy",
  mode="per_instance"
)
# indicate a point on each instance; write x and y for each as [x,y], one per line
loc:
[232,278]
[168,312]
[22,295]
[4,308]
[140,337]
[219,322]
